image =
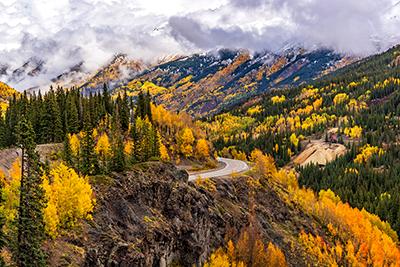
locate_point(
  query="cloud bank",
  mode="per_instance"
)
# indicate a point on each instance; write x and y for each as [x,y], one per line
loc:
[64,33]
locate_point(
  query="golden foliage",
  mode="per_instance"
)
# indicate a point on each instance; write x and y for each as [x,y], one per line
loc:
[367,152]
[185,141]
[278,99]
[362,239]
[202,150]
[354,132]
[103,147]
[365,239]
[248,251]
[5,93]
[340,98]
[294,140]
[164,155]
[254,110]
[128,147]
[75,143]
[206,184]
[11,194]
[70,198]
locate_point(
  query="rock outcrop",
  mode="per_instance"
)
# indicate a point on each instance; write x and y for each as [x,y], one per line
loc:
[152,216]
[396,62]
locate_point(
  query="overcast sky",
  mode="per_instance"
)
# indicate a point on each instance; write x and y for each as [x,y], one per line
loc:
[64,32]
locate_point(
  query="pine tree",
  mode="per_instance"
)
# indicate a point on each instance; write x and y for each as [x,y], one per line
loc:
[156,142]
[124,112]
[71,115]
[118,156]
[32,201]
[88,156]
[136,139]
[107,100]
[147,106]
[140,106]
[54,109]
[2,130]
[67,151]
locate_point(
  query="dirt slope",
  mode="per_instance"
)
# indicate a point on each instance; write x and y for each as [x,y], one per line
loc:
[319,152]
[46,152]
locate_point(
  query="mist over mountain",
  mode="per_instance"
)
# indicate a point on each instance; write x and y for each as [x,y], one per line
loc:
[42,40]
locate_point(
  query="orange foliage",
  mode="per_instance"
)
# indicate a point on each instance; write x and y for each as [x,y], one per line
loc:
[248,251]
[362,239]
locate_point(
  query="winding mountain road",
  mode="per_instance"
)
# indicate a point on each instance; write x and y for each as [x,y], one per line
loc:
[231,166]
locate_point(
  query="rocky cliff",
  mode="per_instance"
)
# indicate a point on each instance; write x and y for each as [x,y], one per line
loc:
[152,216]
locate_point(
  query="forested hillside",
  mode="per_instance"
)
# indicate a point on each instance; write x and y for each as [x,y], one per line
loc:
[6,92]
[59,208]
[228,133]
[202,84]
[357,106]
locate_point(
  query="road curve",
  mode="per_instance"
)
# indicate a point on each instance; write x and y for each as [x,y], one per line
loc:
[231,166]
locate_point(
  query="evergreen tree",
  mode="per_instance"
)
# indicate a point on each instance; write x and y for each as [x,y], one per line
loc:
[140,106]
[71,115]
[107,100]
[67,151]
[88,158]
[32,201]
[2,131]
[147,106]
[118,156]
[124,112]
[54,109]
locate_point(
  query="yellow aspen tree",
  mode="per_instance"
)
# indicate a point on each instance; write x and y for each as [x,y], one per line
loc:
[103,146]
[186,140]
[164,153]
[294,140]
[70,198]
[275,256]
[75,144]
[128,147]
[202,150]
[11,193]
[103,149]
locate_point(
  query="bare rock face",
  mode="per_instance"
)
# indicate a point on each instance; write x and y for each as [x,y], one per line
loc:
[152,216]
[396,62]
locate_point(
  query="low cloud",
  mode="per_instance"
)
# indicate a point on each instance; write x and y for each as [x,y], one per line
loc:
[64,33]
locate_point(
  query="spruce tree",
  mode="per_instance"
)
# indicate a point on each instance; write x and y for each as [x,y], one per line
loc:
[137,140]
[124,112]
[2,131]
[67,151]
[32,201]
[147,106]
[140,106]
[54,109]
[107,99]
[88,156]
[72,116]
[118,156]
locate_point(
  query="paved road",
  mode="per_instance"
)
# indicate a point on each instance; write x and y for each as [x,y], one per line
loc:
[231,166]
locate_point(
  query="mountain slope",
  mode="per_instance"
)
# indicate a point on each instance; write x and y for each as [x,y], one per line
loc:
[151,216]
[5,93]
[116,72]
[206,83]
[357,106]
